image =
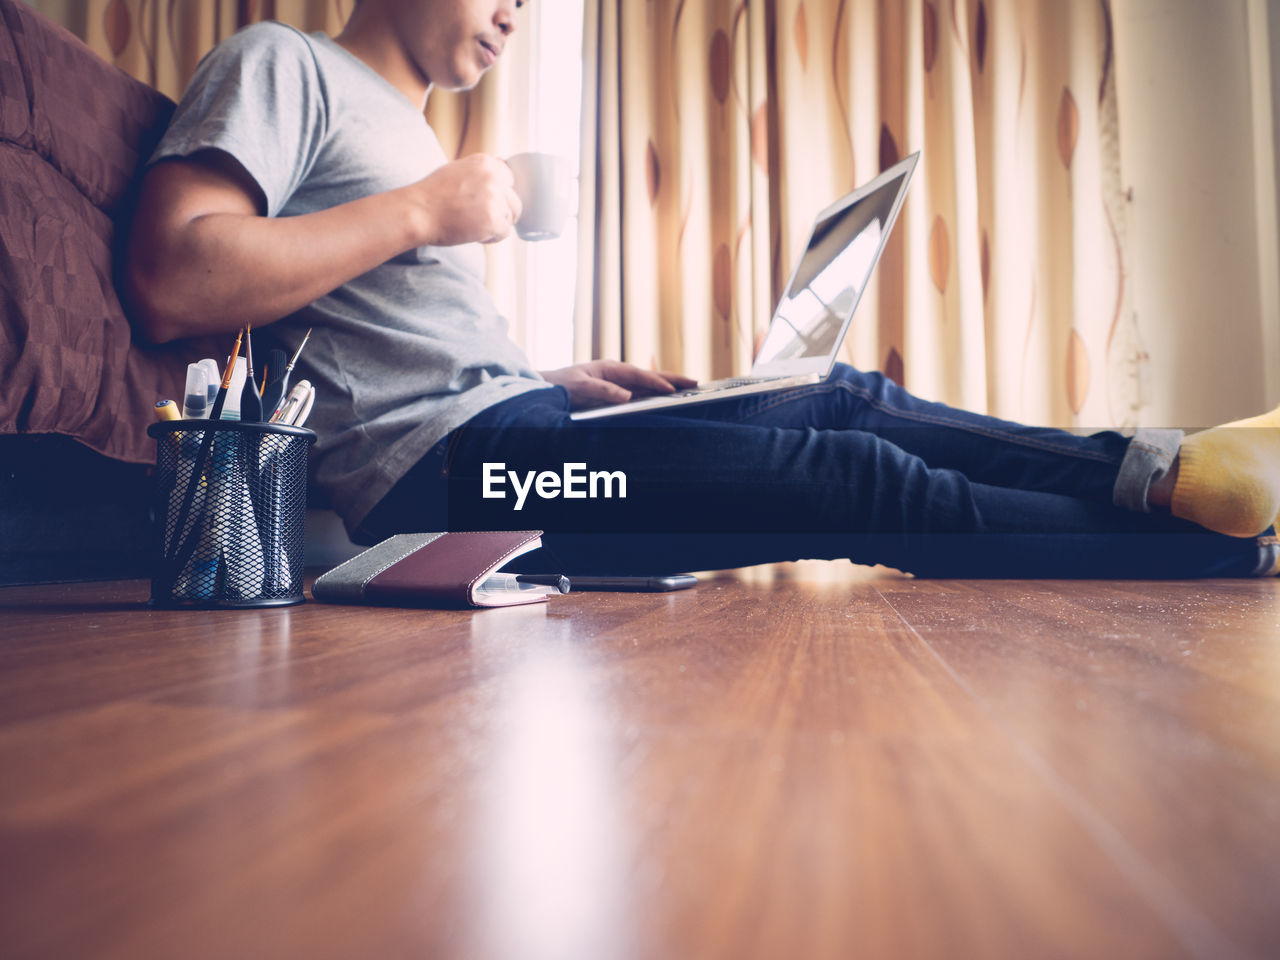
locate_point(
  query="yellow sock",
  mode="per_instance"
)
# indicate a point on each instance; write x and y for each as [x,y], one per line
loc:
[1229,477]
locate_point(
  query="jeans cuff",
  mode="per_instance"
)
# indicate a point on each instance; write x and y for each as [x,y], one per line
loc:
[1269,550]
[1148,458]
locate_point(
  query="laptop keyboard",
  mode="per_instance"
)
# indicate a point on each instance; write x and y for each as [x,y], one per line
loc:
[714,386]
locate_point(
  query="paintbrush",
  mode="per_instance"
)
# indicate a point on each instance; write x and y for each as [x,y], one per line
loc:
[250,399]
[284,380]
[221,400]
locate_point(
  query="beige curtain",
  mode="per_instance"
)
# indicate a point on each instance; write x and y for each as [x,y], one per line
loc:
[161,41]
[716,129]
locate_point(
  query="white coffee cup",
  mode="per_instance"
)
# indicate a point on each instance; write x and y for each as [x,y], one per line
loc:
[544,184]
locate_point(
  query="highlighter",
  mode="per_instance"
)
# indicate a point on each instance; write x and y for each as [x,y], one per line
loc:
[166,410]
[231,408]
[195,403]
[215,378]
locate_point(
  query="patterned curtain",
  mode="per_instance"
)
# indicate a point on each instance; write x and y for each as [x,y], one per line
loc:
[716,129]
[161,41]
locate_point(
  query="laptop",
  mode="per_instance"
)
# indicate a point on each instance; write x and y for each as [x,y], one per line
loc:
[813,315]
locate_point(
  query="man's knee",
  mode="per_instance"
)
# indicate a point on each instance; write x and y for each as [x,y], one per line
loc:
[863,382]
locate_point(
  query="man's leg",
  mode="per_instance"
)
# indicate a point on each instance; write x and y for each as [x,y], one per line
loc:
[696,487]
[1104,466]
[1226,479]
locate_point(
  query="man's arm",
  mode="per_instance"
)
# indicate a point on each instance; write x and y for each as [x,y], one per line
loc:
[203,258]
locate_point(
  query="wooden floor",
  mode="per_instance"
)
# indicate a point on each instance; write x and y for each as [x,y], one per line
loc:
[813,763]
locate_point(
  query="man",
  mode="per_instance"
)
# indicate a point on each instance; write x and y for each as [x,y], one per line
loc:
[299,180]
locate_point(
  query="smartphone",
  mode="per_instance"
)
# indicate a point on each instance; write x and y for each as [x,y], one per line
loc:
[678,581]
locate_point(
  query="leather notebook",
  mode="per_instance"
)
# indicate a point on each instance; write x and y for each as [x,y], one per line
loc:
[435,570]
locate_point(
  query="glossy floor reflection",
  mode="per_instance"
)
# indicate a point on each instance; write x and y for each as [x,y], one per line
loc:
[550,835]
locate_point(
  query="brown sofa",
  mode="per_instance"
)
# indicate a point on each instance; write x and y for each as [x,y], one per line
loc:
[76,387]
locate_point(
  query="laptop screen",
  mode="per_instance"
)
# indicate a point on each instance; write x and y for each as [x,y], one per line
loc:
[811,318]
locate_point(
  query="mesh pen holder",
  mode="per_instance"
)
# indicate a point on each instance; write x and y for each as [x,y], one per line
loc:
[230,510]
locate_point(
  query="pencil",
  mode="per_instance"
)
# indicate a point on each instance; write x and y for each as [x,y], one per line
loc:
[559,582]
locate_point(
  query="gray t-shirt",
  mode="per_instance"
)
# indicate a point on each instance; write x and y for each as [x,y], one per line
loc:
[404,353]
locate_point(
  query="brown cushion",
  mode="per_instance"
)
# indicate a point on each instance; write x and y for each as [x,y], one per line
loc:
[91,121]
[73,132]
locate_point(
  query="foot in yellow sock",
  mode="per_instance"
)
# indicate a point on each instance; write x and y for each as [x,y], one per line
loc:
[1229,477]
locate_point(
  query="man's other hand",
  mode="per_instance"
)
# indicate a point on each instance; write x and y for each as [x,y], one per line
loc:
[602,382]
[472,200]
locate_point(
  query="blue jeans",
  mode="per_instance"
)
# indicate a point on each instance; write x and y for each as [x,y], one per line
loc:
[854,467]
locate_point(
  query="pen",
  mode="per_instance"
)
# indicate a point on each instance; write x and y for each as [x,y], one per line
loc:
[291,406]
[167,410]
[304,410]
[559,581]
